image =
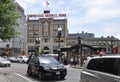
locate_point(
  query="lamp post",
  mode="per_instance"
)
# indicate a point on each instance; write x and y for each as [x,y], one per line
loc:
[7,51]
[111,45]
[80,50]
[59,36]
[37,41]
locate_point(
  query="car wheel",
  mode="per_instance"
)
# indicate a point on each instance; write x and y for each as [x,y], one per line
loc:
[18,61]
[62,77]
[23,61]
[40,75]
[9,65]
[29,71]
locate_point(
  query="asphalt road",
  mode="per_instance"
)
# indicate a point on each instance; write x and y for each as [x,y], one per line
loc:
[17,73]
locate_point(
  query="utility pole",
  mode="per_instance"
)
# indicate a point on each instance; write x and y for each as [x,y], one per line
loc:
[80,51]
[59,36]
[37,41]
[111,46]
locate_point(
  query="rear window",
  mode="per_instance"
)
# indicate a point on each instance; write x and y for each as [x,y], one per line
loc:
[107,65]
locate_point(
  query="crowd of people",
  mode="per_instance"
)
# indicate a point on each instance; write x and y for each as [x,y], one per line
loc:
[75,61]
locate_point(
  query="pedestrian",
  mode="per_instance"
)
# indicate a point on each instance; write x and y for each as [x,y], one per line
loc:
[71,61]
[29,59]
[75,61]
[101,53]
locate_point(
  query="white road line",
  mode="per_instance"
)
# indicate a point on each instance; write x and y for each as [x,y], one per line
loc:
[23,77]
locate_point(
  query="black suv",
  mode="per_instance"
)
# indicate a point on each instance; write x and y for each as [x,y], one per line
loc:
[44,67]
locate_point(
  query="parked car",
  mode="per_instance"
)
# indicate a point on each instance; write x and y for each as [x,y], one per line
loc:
[5,57]
[44,67]
[22,59]
[101,69]
[4,62]
[12,59]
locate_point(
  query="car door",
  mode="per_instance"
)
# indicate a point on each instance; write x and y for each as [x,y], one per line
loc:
[117,77]
[100,70]
[108,69]
[114,74]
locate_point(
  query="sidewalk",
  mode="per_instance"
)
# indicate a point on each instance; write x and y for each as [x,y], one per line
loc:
[68,66]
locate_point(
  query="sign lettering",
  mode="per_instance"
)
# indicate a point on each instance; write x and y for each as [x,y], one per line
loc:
[45,15]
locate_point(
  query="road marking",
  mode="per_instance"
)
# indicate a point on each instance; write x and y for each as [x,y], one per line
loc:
[23,77]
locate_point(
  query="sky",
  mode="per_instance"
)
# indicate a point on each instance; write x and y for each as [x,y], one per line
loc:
[101,17]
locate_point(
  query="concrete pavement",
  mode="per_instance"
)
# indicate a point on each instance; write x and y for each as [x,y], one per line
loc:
[12,78]
[3,78]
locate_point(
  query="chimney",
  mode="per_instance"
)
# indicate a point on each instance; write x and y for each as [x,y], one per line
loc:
[46,11]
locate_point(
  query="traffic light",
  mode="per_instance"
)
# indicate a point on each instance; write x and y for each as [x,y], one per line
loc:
[79,40]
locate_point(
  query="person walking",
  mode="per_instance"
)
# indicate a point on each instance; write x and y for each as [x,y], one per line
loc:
[71,61]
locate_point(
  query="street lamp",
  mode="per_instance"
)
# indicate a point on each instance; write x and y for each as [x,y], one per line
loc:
[111,45]
[80,50]
[59,36]
[7,51]
[37,41]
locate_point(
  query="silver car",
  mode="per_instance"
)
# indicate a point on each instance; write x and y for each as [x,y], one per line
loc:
[22,59]
[101,69]
[4,62]
[12,59]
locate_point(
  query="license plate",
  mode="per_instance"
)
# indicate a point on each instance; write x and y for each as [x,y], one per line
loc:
[57,73]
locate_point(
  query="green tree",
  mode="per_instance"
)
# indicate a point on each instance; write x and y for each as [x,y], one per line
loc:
[8,16]
[42,51]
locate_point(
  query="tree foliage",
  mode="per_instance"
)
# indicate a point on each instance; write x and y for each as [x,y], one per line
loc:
[8,17]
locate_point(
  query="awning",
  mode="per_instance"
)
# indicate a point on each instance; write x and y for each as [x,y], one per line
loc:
[83,45]
[33,50]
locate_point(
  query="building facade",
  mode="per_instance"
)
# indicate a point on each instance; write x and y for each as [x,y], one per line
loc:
[16,45]
[82,45]
[19,42]
[110,45]
[91,45]
[72,38]
[45,29]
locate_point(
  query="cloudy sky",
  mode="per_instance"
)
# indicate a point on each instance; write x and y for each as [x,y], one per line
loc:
[101,17]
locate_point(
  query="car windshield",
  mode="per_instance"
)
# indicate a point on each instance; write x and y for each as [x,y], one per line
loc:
[48,60]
